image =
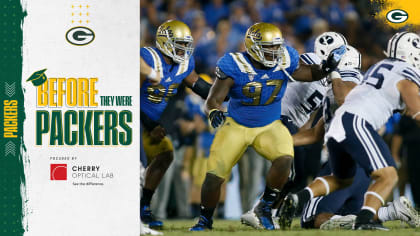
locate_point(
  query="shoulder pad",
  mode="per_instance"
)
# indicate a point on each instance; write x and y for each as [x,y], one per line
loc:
[147,56]
[153,59]
[226,67]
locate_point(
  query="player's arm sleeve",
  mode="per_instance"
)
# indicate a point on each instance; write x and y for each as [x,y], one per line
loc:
[201,87]
[197,85]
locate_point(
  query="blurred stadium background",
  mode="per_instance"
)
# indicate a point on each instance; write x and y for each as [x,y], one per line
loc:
[219,27]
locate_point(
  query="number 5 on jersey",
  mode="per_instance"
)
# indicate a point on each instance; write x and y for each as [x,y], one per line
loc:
[378,74]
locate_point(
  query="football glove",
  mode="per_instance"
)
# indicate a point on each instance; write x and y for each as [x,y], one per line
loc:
[217,118]
[333,59]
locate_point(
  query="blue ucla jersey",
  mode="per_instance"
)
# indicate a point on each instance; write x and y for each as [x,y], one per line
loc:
[154,98]
[255,98]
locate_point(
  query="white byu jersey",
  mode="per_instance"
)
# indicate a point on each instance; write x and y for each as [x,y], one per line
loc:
[303,98]
[377,97]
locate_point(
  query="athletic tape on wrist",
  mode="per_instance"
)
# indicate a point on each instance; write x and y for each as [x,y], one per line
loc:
[334,75]
[327,186]
[376,195]
[152,74]
[415,115]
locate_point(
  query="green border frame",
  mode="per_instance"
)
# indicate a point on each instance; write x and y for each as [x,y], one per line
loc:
[12,175]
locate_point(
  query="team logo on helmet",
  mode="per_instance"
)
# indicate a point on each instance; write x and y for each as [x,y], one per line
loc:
[165,32]
[416,43]
[326,40]
[397,16]
[255,35]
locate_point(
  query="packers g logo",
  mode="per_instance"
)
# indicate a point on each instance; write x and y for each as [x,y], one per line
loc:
[80,36]
[397,16]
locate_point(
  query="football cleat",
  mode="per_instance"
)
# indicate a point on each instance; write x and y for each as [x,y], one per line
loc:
[250,219]
[148,218]
[405,212]
[341,222]
[371,225]
[144,229]
[263,212]
[288,210]
[202,225]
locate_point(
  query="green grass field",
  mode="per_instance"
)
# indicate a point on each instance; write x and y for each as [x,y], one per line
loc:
[234,227]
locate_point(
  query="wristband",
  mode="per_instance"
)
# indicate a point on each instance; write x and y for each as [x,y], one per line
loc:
[152,74]
[415,115]
[334,75]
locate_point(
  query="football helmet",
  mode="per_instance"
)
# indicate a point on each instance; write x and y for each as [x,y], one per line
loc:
[260,36]
[351,60]
[174,39]
[405,46]
[326,42]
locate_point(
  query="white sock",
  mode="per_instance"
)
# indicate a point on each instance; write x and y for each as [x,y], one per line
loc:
[387,213]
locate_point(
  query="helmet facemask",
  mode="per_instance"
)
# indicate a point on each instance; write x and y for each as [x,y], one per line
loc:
[179,49]
[265,55]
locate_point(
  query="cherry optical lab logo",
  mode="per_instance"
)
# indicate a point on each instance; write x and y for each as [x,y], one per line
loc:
[58,172]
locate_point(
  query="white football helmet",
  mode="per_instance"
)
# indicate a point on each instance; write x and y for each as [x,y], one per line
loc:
[405,46]
[326,42]
[351,60]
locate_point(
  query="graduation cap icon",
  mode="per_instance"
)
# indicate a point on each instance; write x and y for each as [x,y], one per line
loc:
[38,77]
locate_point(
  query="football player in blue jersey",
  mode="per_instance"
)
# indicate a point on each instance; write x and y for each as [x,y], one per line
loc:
[171,63]
[255,80]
